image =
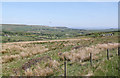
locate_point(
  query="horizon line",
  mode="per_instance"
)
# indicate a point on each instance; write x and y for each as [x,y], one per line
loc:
[62,26]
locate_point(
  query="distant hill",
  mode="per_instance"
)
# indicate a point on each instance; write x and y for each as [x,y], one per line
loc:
[20,32]
[24,27]
[37,28]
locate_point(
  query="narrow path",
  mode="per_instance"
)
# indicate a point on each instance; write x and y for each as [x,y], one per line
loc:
[25,42]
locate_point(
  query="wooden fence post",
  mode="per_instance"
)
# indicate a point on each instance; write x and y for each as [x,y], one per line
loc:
[118,51]
[118,61]
[65,68]
[91,59]
[108,54]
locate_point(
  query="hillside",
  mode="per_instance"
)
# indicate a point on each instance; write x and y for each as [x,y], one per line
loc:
[14,32]
[46,58]
[37,28]
[19,32]
[33,50]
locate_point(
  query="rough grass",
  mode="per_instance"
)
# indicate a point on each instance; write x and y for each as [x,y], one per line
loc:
[43,68]
[75,67]
[108,68]
[17,51]
[83,54]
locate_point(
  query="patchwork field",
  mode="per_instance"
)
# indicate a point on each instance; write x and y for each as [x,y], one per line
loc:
[46,58]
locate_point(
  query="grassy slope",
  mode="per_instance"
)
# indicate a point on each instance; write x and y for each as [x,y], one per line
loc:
[73,70]
[108,68]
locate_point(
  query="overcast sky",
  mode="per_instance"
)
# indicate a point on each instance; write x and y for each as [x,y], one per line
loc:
[90,15]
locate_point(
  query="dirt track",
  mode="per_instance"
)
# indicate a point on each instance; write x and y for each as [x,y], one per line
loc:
[26,42]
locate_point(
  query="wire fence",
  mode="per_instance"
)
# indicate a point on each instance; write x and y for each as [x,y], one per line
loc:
[107,57]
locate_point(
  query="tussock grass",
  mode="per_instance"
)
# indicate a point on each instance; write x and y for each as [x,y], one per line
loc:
[82,54]
[40,69]
[77,58]
[53,64]
[29,72]
[23,50]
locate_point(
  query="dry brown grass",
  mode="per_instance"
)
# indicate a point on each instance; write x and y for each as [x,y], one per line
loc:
[82,54]
[108,45]
[29,72]
[7,58]
[41,68]
[39,71]
[53,64]
[68,44]
[27,42]
[22,50]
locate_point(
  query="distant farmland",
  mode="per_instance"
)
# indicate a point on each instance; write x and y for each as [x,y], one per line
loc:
[17,33]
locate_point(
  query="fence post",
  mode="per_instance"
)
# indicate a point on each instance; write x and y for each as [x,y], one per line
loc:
[108,54]
[118,51]
[91,59]
[118,61]
[65,68]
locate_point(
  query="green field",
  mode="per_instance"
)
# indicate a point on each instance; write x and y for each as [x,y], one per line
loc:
[16,33]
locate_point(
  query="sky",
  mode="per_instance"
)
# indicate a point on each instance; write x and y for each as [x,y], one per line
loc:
[82,15]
